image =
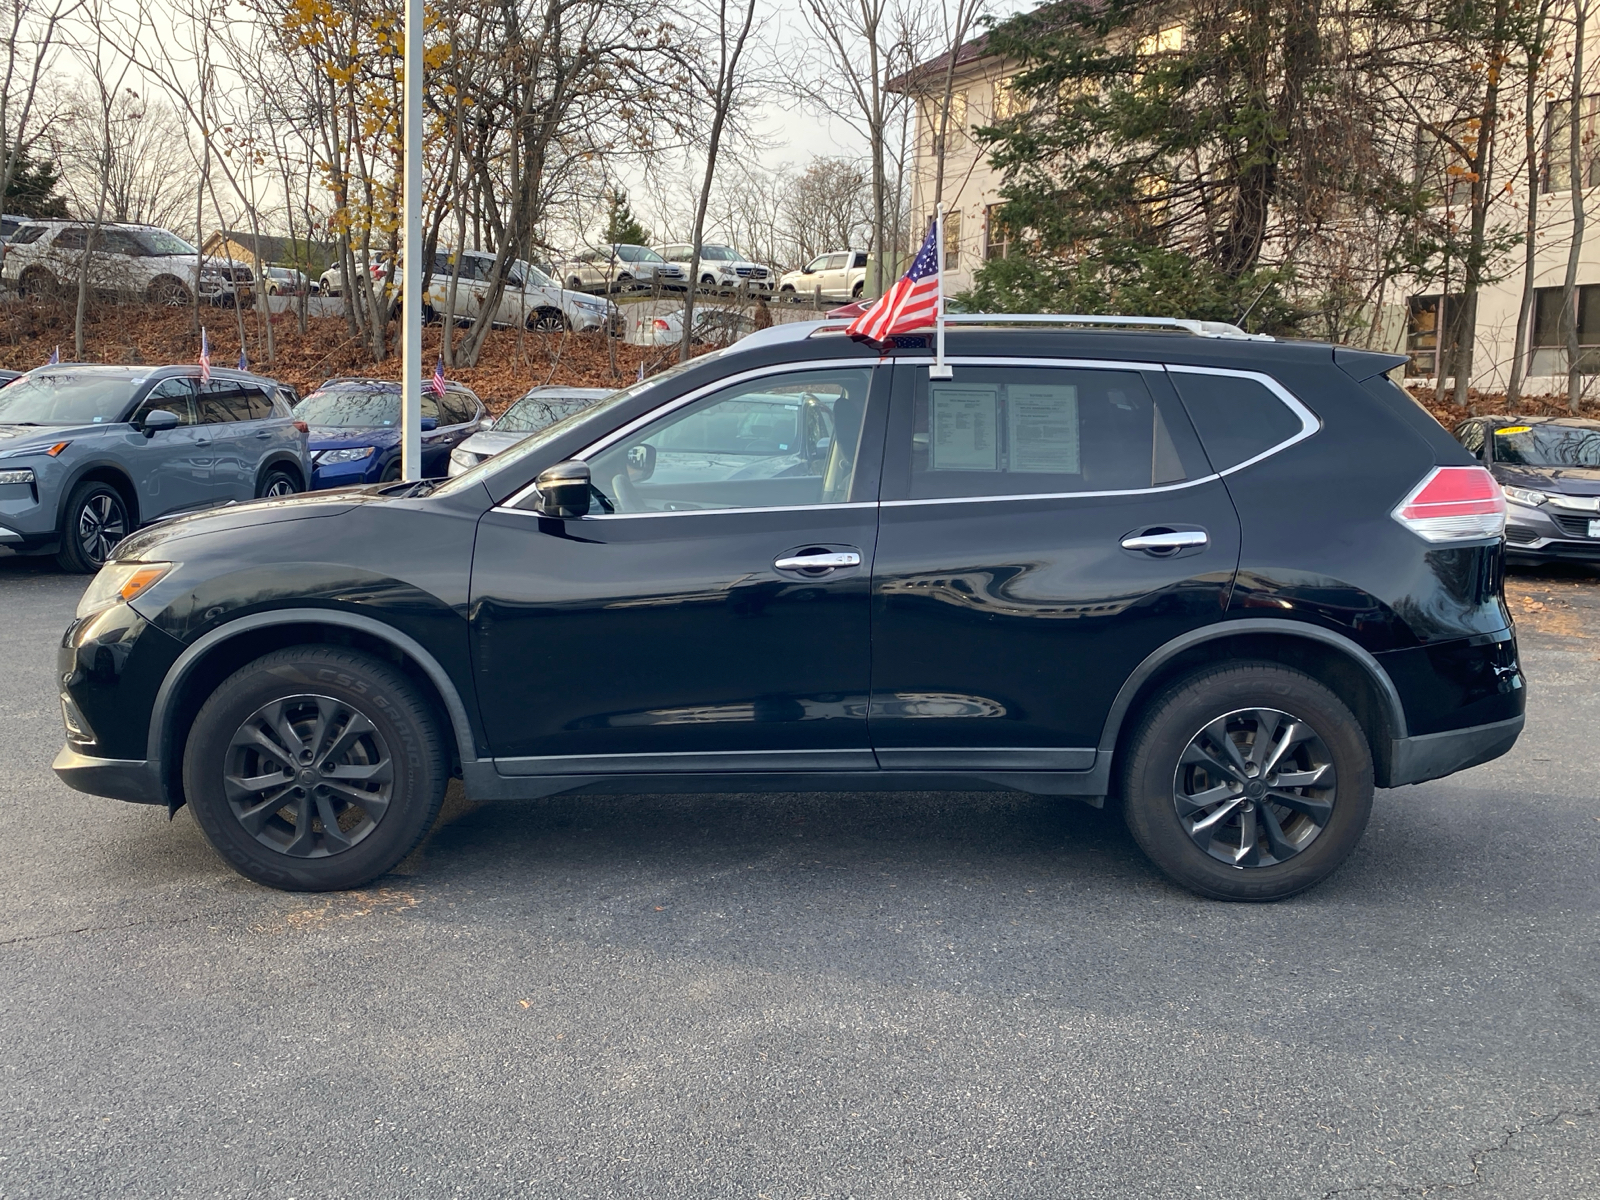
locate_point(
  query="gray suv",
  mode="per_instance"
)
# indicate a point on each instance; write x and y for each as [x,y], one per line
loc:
[89,453]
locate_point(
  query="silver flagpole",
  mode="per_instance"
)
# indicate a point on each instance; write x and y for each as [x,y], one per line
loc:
[411,253]
[939,370]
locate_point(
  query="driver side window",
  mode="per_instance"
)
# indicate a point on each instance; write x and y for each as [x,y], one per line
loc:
[170,394]
[790,439]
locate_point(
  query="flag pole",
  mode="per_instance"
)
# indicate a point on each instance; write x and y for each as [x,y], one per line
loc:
[411,250]
[940,369]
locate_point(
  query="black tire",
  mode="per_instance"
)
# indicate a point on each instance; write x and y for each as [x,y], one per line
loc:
[278,482]
[36,281]
[381,785]
[855,292]
[1196,807]
[547,320]
[574,284]
[391,473]
[96,519]
[787,295]
[168,292]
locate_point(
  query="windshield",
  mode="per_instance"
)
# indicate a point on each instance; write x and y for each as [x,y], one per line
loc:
[1547,446]
[351,407]
[159,241]
[65,398]
[534,276]
[543,437]
[719,254]
[533,413]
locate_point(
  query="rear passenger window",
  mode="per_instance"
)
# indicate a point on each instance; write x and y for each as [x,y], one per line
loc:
[259,403]
[1009,431]
[222,401]
[1236,418]
[455,409]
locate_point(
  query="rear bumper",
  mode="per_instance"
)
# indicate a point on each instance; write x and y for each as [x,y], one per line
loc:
[1435,755]
[134,780]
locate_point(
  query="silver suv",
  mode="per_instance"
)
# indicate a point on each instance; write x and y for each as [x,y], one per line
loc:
[721,267]
[45,257]
[622,268]
[88,453]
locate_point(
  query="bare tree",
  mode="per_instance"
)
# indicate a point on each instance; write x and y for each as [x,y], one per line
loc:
[722,82]
[1534,65]
[1578,178]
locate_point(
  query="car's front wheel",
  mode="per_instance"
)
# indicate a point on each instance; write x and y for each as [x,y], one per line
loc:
[547,320]
[315,769]
[96,520]
[1247,781]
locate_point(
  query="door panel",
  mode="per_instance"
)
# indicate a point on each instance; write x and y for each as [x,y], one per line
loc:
[670,634]
[224,410]
[175,465]
[1003,624]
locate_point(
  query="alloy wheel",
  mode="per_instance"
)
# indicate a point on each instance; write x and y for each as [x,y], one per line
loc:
[308,776]
[102,523]
[1254,787]
[281,485]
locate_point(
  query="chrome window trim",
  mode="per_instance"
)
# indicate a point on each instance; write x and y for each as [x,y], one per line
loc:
[1165,487]
[1310,423]
[984,360]
[699,512]
[639,422]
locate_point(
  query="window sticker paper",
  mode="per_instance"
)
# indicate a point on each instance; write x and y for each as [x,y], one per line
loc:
[964,422]
[1042,422]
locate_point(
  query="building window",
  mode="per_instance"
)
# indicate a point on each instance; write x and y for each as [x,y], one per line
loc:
[1427,314]
[1008,102]
[1550,332]
[952,240]
[1441,167]
[996,236]
[1558,144]
[1166,40]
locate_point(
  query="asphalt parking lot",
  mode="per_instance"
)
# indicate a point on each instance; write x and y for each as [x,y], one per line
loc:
[808,996]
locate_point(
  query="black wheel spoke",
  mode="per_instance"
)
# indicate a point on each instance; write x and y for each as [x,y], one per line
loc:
[308,776]
[1254,787]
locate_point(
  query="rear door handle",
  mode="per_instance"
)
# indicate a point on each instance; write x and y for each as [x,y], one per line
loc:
[830,561]
[1159,543]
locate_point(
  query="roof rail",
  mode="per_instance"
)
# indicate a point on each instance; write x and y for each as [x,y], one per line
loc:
[1206,329]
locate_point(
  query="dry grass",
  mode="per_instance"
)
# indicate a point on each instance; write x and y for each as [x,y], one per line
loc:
[511,362]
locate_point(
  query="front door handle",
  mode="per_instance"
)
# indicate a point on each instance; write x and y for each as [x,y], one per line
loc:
[1166,542]
[830,561]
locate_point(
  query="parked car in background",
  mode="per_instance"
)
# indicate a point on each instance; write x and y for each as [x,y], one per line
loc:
[355,429]
[88,453]
[1549,469]
[536,410]
[7,376]
[285,281]
[712,327]
[622,268]
[839,275]
[1228,584]
[721,267]
[331,281]
[44,258]
[529,298]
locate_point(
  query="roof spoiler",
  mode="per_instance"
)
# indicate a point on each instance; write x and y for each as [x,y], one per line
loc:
[1362,365]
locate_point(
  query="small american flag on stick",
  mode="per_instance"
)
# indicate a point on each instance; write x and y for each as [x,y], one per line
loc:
[436,384]
[912,303]
[205,357]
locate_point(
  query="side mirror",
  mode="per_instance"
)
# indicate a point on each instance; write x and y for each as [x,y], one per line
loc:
[157,420]
[564,490]
[429,423]
[641,462]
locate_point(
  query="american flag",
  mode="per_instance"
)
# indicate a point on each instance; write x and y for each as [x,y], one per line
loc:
[55,356]
[205,357]
[244,363]
[437,386]
[909,304]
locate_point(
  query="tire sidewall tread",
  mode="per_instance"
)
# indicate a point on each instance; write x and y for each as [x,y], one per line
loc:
[385,697]
[1173,718]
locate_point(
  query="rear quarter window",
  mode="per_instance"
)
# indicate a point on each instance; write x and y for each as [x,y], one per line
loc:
[1237,419]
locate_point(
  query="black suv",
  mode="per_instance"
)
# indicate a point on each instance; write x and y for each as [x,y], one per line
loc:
[1231,583]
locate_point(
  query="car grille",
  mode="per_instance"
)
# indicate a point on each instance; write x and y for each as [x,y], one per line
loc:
[1520,533]
[1572,526]
[752,272]
[236,274]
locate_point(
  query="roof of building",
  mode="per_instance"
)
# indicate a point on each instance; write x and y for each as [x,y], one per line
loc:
[273,249]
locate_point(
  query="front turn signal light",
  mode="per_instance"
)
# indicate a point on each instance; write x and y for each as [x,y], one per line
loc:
[119,583]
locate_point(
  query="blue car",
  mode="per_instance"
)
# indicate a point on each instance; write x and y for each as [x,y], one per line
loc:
[355,429]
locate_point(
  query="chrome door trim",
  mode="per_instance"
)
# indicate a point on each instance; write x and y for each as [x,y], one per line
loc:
[698,512]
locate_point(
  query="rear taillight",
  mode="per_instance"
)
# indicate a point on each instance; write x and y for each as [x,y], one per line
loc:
[1454,504]
[660,324]
[302,427]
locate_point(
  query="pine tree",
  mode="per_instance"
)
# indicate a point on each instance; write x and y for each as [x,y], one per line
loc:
[621,226]
[32,190]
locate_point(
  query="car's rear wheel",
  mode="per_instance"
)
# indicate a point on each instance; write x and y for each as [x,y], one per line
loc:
[1247,781]
[314,769]
[96,520]
[168,292]
[279,481]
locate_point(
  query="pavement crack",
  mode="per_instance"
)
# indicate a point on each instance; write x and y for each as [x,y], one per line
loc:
[26,938]
[1515,1131]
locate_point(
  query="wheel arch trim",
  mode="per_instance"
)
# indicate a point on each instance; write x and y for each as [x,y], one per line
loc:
[161,710]
[106,466]
[1163,654]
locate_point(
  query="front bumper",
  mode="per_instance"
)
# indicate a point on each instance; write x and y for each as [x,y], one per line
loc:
[347,474]
[1550,532]
[134,780]
[1435,755]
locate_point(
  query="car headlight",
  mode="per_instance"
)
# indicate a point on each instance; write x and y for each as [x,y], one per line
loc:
[19,475]
[1524,496]
[120,582]
[345,455]
[466,458]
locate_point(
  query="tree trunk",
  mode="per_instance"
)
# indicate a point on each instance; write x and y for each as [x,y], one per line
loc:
[1530,146]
